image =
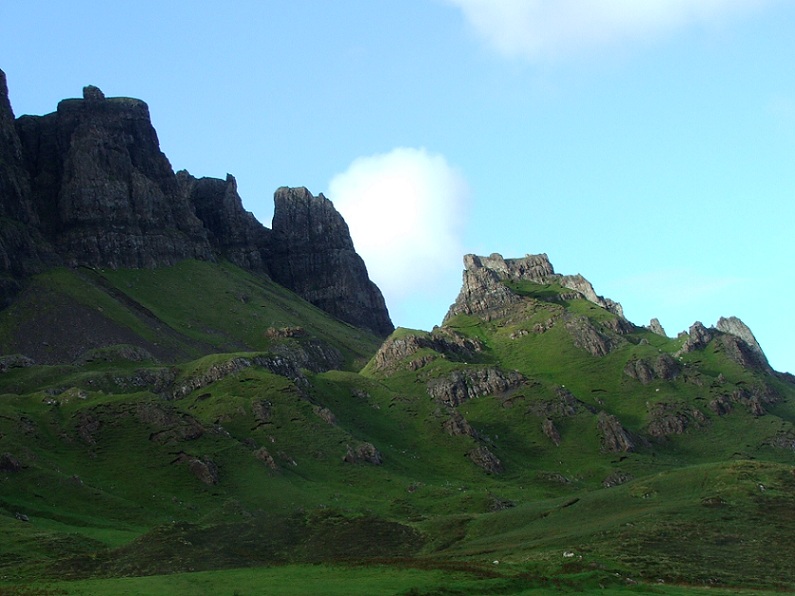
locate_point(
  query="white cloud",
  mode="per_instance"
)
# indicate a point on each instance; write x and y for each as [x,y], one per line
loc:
[542,29]
[404,210]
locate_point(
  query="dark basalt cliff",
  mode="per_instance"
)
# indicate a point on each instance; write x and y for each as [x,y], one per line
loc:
[104,193]
[22,250]
[87,185]
[314,256]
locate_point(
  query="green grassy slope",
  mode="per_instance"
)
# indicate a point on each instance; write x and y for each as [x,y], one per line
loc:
[226,458]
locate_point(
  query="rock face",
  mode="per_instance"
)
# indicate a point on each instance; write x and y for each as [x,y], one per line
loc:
[747,352]
[645,370]
[22,250]
[87,185]
[313,255]
[656,327]
[363,453]
[105,194]
[462,385]
[672,419]
[447,343]
[615,438]
[233,232]
[482,457]
[733,336]
[483,293]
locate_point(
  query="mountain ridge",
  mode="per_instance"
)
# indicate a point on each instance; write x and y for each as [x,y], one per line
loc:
[87,185]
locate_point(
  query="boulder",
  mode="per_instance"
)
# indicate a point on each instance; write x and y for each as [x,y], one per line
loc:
[363,453]
[485,459]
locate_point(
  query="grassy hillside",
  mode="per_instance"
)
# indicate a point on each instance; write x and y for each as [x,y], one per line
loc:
[553,448]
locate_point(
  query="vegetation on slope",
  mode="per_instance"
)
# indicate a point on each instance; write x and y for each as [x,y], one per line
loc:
[544,440]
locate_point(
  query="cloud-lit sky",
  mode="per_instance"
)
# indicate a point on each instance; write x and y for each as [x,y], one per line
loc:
[648,145]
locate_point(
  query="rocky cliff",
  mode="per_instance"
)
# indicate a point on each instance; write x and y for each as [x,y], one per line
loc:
[104,193]
[486,293]
[22,250]
[313,255]
[483,292]
[87,185]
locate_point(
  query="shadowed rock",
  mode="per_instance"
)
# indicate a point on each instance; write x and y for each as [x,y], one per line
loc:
[485,459]
[363,453]
[88,185]
[313,255]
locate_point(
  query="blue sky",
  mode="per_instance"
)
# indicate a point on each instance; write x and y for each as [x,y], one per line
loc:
[648,145]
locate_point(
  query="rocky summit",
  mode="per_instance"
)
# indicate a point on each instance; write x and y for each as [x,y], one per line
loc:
[483,291]
[87,185]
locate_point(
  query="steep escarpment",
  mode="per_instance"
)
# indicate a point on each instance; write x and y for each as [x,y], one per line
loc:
[88,185]
[233,233]
[313,255]
[104,193]
[22,250]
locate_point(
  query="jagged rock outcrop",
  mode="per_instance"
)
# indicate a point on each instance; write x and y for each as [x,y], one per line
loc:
[169,425]
[666,419]
[363,453]
[457,425]
[741,345]
[15,361]
[205,469]
[462,385]
[734,337]
[550,431]
[276,364]
[617,478]
[655,327]
[313,255]
[615,438]
[88,185]
[234,233]
[265,457]
[736,327]
[646,370]
[482,457]
[448,343]
[483,293]
[564,405]
[588,337]
[697,338]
